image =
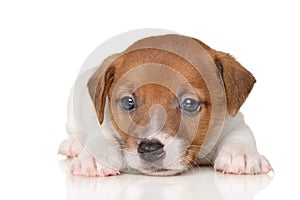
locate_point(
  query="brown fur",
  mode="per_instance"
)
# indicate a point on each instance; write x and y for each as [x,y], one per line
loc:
[237,80]
[153,94]
[99,84]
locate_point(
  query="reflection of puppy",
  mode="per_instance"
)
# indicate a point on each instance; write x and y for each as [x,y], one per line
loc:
[186,186]
[155,121]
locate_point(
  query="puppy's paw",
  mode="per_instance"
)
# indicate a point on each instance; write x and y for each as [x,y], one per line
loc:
[71,147]
[241,159]
[88,166]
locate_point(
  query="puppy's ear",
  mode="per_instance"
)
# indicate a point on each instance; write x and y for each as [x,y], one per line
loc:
[237,80]
[99,84]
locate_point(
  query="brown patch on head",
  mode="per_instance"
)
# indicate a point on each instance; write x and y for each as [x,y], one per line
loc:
[151,94]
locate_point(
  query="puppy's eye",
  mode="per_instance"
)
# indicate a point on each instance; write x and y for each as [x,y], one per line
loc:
[190,105]
[128,103]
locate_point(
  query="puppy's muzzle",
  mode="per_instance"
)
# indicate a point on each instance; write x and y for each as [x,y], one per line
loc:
[151,150]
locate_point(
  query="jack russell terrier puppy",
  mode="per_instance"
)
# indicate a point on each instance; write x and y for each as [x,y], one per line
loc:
[165,105]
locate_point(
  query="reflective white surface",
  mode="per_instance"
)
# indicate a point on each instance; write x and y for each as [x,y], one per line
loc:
[200,183]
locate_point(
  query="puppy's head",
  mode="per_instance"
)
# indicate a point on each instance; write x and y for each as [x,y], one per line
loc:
[160,104]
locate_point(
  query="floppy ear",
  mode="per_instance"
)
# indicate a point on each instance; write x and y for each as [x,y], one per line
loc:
[237,80]
[99,84]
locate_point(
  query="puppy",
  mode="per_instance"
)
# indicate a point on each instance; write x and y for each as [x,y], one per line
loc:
[165,105]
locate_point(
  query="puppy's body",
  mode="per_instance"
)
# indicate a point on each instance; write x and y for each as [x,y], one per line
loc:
[101,123]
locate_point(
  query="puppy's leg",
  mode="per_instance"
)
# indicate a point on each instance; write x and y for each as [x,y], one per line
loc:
[87,165]
[71,146]
[102,156]
[236,152]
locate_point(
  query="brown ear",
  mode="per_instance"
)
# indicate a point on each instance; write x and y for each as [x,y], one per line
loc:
[238,81]
[99,84]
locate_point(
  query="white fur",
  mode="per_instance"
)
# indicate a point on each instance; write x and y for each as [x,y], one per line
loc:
[235,151]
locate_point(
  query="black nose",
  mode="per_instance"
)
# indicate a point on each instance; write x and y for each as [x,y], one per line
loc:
[151,150]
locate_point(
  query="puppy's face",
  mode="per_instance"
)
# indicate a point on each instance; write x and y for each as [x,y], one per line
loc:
[161,106]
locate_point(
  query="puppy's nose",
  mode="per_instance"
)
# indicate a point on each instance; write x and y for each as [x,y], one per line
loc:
[151,150]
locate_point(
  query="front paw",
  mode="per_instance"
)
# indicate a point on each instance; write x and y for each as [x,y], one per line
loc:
[241,159]
[71,147]
[88,166]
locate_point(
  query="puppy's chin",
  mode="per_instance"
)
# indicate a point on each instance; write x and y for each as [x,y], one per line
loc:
[163,172]
[160,170]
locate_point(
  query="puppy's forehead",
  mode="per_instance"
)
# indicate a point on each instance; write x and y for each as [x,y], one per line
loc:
[139,67]
[161,86]
[139,57]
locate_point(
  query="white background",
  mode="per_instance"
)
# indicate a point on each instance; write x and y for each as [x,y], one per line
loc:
[44,43]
